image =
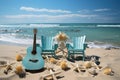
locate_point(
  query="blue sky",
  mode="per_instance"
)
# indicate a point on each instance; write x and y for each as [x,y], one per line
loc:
[59,11]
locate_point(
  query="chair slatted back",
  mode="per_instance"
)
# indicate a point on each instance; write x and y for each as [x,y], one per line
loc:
[78,42]
[47,42]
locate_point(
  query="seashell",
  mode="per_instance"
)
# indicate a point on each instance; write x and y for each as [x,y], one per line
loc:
[87,64]
[18,57]
[107,71]
[52,60]
[92,71]
[19,69]
[63,65]
[100,67]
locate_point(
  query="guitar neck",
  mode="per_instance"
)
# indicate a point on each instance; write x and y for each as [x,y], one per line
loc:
[34,45]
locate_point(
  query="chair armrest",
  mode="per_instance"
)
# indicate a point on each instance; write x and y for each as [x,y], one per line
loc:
[69,46]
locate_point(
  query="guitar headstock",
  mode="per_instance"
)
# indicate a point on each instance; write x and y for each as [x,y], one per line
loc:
[35,31]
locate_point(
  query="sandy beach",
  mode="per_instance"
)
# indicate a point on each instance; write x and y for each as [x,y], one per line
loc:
[109,58]
[60,40]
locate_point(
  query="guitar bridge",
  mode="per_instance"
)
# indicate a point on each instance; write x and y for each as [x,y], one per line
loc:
[33,60]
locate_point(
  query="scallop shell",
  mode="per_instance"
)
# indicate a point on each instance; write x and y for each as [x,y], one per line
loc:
[107,71]
[18,57]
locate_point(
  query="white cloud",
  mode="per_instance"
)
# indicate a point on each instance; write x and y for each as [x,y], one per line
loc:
[100,10]
[44,10]
[96,10]
[51,16]
[84,10]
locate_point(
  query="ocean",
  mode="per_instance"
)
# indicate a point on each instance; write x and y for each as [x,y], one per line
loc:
[98,35]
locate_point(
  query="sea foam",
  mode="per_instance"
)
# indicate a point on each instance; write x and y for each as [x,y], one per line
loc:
[108,25]
[13,39]
[103,45]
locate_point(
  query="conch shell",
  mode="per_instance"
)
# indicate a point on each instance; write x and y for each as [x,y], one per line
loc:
[107,71]
[18,57]
[87,64]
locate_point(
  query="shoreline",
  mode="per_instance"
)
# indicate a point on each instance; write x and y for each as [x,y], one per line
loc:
[94,44]
[107,57]
[13,44]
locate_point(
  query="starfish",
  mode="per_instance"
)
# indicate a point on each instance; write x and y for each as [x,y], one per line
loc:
[51,75]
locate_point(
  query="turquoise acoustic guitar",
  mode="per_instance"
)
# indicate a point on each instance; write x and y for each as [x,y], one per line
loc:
[33,59]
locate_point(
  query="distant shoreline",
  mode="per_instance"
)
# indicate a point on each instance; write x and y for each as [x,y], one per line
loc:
[55,23]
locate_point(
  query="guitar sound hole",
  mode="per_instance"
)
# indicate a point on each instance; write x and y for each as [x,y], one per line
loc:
[33,60]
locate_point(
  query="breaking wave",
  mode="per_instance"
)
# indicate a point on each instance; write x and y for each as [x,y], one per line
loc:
[101,45]
[108,25]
